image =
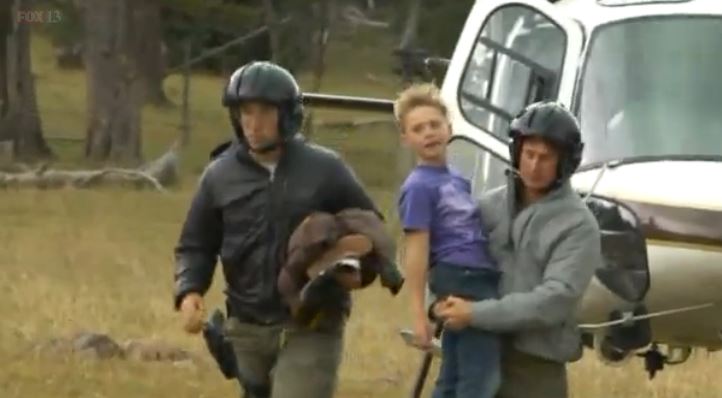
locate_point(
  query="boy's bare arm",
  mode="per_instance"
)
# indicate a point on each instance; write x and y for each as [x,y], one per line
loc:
[416,264]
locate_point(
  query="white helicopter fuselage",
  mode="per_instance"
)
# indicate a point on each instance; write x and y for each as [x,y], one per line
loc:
[677,201]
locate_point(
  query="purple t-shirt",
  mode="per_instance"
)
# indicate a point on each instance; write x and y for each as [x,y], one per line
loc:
[438,200]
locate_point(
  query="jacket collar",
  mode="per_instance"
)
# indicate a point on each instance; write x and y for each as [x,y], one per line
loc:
[561,191]
[289,149]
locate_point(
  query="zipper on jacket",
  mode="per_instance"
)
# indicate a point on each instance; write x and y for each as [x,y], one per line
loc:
[273,207]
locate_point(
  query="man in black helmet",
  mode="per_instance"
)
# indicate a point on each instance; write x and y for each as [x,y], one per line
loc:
[250,199]
[548,245]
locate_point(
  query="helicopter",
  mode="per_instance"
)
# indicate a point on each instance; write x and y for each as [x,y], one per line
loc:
[642,76]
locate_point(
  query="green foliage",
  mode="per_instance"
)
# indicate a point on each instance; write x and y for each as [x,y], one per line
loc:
[70,28]
[210,23]
[440,25]
[210,17]
[207,23]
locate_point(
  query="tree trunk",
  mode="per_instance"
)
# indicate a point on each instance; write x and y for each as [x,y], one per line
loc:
[151,63]
[405,160]
[274,33]
[114,82]
[295,38]
[323,12]
[6,25]
[185,136]
[408,37]
[19,116]
[323,15]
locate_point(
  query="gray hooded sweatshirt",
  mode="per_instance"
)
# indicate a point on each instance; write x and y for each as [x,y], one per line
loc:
[547,253]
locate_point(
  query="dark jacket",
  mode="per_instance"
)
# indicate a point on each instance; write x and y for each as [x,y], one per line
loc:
[244,217]
[321,231]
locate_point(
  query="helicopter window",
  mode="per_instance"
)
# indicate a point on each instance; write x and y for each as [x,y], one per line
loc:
[484,170]
[652,87]
[516,60]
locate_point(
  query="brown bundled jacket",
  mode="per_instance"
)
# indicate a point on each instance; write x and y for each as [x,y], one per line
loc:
[314,246]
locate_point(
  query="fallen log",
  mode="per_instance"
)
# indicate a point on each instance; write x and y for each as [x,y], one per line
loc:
[158,175]
[165,169]
[356,17]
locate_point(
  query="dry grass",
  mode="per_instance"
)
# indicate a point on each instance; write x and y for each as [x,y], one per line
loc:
[89,260]
[102,261]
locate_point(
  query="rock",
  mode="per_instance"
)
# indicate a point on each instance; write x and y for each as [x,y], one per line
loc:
[154,350]
[98,345]
[101,346]
[94,345]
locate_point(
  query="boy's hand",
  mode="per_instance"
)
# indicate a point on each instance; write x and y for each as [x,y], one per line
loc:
[422,333]
[192,311]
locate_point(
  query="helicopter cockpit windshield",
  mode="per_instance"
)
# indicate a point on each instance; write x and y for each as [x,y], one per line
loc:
[652,87]
[649,87]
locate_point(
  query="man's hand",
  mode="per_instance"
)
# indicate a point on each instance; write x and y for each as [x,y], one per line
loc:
[455,312]
[193,312]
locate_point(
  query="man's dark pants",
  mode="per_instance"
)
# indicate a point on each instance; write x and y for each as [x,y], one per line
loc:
[284,361]
[527,376]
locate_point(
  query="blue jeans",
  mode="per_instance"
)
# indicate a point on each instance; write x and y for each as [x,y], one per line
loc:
[471,358]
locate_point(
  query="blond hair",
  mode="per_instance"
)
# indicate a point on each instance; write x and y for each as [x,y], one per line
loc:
[419,94]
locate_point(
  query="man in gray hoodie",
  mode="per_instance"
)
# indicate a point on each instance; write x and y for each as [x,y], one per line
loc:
[547,243]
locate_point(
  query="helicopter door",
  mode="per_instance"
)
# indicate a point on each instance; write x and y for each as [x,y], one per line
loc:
[510,53]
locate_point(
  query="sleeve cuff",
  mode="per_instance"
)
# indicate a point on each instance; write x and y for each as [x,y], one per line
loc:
[482,312]
[181,295]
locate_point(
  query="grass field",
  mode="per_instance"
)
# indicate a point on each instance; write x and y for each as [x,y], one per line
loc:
[102,261]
